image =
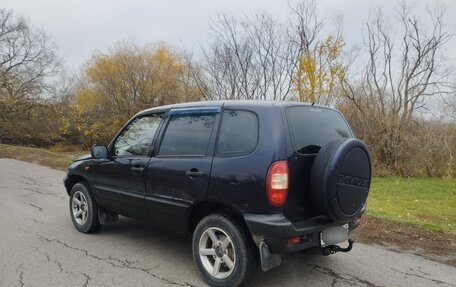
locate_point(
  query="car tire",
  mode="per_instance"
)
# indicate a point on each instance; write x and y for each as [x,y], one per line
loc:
[232,247]
[83,208]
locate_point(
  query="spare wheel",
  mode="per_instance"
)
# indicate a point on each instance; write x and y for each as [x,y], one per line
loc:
[340,179]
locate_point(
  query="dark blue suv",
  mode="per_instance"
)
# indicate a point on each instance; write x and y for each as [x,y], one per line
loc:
[249,179]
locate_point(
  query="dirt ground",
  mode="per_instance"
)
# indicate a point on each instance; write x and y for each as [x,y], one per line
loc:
[399,237]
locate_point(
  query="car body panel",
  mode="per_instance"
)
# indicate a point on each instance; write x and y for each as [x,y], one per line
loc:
[170,191]
[120,189]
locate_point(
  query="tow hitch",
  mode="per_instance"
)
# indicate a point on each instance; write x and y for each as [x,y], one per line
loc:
[332,249]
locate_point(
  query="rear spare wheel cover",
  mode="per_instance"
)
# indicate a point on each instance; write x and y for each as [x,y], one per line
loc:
[340,178]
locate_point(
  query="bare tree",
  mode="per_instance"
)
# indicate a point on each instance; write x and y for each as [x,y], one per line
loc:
[27,62]
[402,71]
[230,67]
[449,105]
[27,58]
[399,87]
[255,57]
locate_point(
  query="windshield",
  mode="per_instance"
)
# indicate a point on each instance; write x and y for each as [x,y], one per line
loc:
[313,127]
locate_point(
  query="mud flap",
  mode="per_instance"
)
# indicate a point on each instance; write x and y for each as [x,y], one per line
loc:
[268,259]
[106,217]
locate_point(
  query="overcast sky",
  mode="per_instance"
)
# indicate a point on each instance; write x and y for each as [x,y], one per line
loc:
[81,27]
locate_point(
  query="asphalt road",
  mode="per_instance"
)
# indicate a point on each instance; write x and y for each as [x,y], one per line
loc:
[40,247]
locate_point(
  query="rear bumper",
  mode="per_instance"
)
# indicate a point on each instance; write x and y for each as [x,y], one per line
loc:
[276,229]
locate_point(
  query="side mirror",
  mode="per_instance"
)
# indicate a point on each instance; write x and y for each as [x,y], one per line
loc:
[99,151]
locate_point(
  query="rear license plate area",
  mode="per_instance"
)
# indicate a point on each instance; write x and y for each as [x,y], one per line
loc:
[334,235]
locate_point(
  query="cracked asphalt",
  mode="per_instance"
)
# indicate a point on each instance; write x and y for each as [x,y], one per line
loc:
[40,247]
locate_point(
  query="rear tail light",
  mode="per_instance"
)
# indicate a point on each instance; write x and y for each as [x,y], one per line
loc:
[277,183]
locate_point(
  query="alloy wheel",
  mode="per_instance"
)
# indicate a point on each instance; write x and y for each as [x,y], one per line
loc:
[80,208]
[217,253]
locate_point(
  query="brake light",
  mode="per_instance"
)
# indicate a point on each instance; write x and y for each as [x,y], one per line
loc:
[277,183]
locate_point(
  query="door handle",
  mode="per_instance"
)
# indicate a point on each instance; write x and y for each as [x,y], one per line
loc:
[235,181]
[194,173]
[137,169]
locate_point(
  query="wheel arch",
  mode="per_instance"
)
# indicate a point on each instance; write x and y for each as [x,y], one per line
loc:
[72,180]
[204,208]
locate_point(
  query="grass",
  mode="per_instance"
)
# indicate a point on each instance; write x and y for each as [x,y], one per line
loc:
[427,202]
[54,159]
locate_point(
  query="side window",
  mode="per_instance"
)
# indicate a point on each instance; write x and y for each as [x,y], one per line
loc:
[238,133]
[137,137]
[187,135]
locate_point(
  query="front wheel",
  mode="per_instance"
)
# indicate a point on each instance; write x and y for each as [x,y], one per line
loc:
[223,251]
[83,209]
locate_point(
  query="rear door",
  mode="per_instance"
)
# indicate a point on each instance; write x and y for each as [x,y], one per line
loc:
[310,128]
[179,172]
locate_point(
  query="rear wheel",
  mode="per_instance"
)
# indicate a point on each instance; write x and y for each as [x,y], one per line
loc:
[223,251]
[83,209]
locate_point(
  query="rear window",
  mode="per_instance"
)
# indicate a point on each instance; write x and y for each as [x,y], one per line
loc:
[311,128]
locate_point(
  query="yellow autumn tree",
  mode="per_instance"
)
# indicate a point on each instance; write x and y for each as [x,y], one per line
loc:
[129,78]
[320,72]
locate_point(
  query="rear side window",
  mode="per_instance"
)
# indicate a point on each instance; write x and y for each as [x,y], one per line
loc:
[238,133]
[311,128]
[187,135]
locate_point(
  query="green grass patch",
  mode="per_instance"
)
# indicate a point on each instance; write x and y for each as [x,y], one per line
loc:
[57,160]
[428,202]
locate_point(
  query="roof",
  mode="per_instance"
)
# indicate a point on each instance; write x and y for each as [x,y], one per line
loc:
[239,103]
